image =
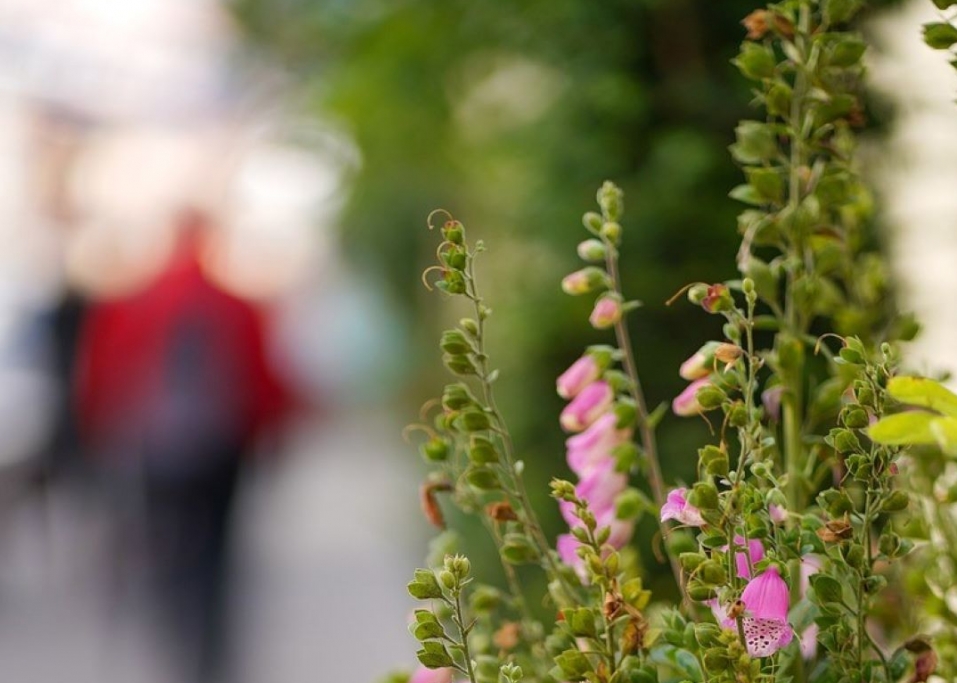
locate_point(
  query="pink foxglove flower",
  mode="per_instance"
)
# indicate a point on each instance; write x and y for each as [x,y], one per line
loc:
[606,313]
[701,364]
[425,675]
[744,560]
[771,400]
[765,622]
[686,403]
[678,508]
[594,445]
[587,406]
[582,372]
[778,514]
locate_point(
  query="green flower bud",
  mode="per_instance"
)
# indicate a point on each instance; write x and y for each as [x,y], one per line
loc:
[436,449]
[592,250]
[457,397]
[610,199]
[712,573]
[738,415]
[691,561]
[710,397]
[592,222]
[854,417]
[453,231]
[459,565]
[585,280]
[470,326]
[459,365]
[454,342]
[699,592]
[611,231]
[448,579]
[896,502]
[482,451]
[474,421]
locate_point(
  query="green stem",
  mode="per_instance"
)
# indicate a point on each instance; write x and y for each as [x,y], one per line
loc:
[793,399]
[464,635]
[645,429]
[529,519]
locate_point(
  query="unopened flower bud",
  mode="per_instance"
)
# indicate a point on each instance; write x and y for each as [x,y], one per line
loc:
[453,231]
[592,222]
[580,374]
[469,326]
[610,199]
[697,293]
[709,396]
[701,364]
[447,578]
[591,250]
[454,342]
[607,312]
[728,353]
[611,231]
[718,299]
[583,281]
[459,565]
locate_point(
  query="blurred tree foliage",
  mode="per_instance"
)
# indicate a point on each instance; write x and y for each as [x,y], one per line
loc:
[510,114]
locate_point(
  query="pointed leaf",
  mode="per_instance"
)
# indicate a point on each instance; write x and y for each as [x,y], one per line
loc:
[924,392]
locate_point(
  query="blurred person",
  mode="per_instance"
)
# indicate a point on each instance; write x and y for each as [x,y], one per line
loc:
[174,391]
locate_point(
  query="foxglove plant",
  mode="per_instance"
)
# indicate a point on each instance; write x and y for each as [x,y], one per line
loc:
[789,548]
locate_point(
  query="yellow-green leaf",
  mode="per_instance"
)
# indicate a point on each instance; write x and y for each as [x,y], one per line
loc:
[927,393]
[911,428]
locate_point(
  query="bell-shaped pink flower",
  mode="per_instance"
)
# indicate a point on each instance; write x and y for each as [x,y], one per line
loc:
[606,313]
[701,364]
[426,675]
[595,445]
[678,508]
[778,514]
[744,560]
[587,406]
[686,403]
[601,486]
[765,622]
[582,372]
[771,400]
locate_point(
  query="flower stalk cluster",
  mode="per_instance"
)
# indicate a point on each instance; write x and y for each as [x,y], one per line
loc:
[789,544]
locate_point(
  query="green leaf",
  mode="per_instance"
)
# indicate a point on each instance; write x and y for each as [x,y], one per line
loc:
[848,52]
[424,585]
[827,588]
[940,35]
[756,143]
[904,429]
[433,655]
[574,665]
[755,61]
[944,430]
[923,392]
[767,182]
[944,4]
[839,11]
[747,194]
[581,621]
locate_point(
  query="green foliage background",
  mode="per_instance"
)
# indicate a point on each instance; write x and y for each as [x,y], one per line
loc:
[510,114]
